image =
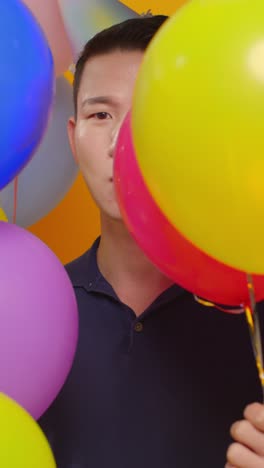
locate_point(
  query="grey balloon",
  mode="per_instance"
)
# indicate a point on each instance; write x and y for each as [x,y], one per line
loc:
[84,18]
[49,175]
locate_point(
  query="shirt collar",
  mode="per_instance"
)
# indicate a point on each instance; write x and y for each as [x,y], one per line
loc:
[84,272]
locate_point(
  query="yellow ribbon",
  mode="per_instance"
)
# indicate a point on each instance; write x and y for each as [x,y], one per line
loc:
[253,325]
[222,309]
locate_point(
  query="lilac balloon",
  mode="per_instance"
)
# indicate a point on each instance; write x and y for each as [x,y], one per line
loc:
[38,320]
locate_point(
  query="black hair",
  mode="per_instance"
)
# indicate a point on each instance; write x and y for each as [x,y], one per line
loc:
[132,34]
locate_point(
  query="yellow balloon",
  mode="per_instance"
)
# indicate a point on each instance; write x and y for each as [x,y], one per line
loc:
[198,127]
[22,443]
[3,216]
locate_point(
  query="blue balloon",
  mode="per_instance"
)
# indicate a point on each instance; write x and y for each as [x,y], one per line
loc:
[26,87]
[50,174]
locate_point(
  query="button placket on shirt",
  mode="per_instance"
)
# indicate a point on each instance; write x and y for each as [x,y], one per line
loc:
[138,327]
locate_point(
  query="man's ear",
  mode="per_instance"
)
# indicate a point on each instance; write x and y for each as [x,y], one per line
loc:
[71,135]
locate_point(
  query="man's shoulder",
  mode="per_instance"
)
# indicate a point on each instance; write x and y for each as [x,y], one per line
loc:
[81,268]
[77,263]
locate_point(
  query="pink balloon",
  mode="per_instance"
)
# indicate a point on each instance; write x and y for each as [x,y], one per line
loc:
[48,14]
[38,320]
[164,245]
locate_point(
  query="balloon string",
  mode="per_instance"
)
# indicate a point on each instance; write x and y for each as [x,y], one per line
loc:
[222,309]
[148,13]
[15,200]
[253,322]
[252,316]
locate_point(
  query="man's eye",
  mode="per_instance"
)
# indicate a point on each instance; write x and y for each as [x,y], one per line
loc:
[101,116]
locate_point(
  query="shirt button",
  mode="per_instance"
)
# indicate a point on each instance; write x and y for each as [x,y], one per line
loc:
[138,327]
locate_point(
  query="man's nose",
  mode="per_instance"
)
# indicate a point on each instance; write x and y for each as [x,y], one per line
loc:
[113,142]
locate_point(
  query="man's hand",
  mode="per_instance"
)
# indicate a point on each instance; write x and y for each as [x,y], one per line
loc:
[248,449]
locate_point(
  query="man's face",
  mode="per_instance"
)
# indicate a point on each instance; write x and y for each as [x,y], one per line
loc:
[104,98]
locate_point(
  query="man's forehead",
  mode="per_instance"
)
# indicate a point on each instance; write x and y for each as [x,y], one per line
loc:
[94,100]
[106,72]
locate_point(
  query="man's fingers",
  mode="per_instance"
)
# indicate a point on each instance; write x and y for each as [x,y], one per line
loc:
[254,413]
[245,433]
[241,457]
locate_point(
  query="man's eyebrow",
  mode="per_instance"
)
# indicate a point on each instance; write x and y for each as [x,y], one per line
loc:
[99,100]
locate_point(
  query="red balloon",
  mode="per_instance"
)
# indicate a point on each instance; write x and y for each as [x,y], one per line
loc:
[175,256]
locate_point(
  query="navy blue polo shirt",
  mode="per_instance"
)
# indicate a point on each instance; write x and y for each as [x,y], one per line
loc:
[156,391]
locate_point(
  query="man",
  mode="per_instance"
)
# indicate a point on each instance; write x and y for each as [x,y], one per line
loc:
[158,379]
